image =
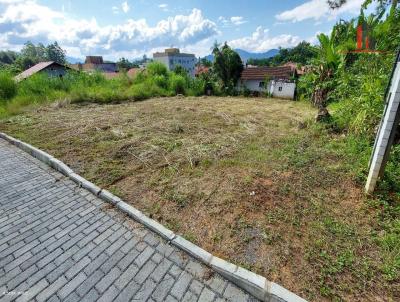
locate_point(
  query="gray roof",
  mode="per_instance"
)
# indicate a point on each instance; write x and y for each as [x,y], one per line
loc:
[36,68]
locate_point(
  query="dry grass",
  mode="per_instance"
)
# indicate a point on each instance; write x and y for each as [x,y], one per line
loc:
[246,179]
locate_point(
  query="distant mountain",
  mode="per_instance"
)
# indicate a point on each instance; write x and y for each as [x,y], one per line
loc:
[245,55]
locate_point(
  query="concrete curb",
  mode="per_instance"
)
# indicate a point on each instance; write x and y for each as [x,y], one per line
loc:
[256,285]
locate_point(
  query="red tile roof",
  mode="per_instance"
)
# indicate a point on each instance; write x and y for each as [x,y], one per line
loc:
[260,73]
[201,69]
[293,65]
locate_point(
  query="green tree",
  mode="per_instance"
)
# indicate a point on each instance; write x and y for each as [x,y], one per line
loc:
[301,54]
[124,64]
[205,62]
[55,53]
[23,62]
[227,65]
[32,54]
[8,57]
[180,70]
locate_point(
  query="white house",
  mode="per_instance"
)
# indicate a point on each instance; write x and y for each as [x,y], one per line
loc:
[277,81]
[172,58]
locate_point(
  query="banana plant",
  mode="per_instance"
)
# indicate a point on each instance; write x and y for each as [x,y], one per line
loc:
[328,62]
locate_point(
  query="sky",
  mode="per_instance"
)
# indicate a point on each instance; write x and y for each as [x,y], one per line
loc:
[131,28]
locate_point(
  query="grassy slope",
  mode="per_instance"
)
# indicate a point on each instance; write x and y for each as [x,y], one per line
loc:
[247,179]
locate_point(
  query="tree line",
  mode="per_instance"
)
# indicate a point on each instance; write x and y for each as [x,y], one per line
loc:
[30,55]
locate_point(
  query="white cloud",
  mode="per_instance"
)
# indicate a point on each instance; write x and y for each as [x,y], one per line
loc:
[238,20]
[116,9]
[125,7]
[227,22]
[318,9]
[10,1]
[260,41]
[163,7]
[28,20]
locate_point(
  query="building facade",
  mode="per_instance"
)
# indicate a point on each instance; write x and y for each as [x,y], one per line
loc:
[96,63]
[276,81]
[172,58]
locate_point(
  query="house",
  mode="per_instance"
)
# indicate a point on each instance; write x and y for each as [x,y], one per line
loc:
[172,58]
[53,69]
[96,63]
[277,81]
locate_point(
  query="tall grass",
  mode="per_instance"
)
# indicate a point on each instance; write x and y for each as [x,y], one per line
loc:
[8,87]
[76,87]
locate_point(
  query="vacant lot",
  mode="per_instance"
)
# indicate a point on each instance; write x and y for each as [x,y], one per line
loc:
[251,180]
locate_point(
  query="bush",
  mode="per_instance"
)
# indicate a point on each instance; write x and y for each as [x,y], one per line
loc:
[359,95]
[157,68]
[245,91]
[180,70]
[160,81]
[8,87]
[177,84]
[197,87]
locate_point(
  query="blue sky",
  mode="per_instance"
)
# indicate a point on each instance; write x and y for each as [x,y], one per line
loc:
[131,28]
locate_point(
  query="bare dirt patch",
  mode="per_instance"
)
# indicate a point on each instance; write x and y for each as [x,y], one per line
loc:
[247,179]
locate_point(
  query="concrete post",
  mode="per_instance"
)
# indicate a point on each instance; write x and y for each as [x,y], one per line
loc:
[387,129]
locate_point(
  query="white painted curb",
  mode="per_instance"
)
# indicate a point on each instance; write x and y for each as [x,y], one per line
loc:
[256,285]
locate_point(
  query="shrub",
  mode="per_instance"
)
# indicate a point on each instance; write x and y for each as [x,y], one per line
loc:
[359,94]
[157,68]
[160,81]
[197,87]
[246,91]
[177,84]
[8,87]
[180,70]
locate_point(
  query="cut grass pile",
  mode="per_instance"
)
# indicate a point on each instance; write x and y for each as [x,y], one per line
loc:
[250,180]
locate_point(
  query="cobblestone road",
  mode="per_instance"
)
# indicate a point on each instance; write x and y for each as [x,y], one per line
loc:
[60,243]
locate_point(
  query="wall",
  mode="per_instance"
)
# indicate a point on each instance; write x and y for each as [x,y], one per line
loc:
[287,89]
[55,71]
[282,90]
[171,61]
[252,85]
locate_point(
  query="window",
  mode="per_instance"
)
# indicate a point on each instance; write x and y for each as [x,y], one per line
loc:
[261,84]
[280,88]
